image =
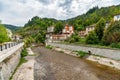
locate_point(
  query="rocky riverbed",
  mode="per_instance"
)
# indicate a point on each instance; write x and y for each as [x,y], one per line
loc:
[54,65]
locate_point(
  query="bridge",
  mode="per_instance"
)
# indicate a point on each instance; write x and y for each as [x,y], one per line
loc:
[9,58]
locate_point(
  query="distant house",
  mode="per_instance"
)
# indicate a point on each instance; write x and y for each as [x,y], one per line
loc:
[85,32]
[17,38]
[90,28]
[59,37]
[66,32]
[50,29]
[117,17]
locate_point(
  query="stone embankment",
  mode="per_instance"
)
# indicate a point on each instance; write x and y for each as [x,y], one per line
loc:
[9,59]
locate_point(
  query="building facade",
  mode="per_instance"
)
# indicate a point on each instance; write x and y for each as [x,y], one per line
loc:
[66,32]
[88,29]
[117,17]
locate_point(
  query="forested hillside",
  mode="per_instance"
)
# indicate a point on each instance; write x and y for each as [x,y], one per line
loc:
[93,16]
[3,34]
[35,29]
[11,27]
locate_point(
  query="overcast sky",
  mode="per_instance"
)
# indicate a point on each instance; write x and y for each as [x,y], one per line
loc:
[18,12]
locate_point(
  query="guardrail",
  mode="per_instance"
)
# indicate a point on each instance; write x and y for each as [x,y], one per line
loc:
[8,45]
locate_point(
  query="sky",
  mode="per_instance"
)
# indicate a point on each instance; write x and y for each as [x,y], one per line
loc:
[18,12]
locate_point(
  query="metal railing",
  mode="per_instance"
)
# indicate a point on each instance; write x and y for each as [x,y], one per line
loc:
[8,45]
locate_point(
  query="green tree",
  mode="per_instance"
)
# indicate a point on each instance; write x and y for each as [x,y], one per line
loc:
[58,27]
[40,38]
[99,29]
[92,38]
[112,34]
[3,34]
[74,38]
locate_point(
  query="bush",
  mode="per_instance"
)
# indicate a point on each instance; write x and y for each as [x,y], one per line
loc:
[49,47]
[92,38]
[81,53]
[112,34]
[74,38]
[24,53]
[3,34]
[114,45]
[99,29]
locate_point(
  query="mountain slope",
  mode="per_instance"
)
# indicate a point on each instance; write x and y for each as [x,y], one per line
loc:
[93,16]
[11,27]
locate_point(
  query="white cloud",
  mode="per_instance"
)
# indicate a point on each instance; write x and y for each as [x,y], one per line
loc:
[18,12]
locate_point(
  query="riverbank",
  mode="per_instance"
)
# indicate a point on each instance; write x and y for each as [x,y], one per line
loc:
[26,70]
[99,59]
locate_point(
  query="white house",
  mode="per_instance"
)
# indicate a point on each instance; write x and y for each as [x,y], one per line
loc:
[90,28]
[66,32]
[117,17]
[50,29]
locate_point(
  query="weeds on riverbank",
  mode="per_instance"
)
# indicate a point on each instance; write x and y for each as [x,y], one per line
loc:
[49,47]
[82,54]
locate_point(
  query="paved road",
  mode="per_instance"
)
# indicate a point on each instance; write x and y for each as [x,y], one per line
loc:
[53,65]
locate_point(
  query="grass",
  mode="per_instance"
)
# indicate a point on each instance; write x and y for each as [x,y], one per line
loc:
[22,60]
[81,53]
[24,53]
[49,47]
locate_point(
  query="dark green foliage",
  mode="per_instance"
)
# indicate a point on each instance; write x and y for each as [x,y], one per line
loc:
[3,34]
[92,10]
[58,27]
[49,47]
[112,34]
[12,27]
[34,31]
[74,38]
[28,41]
[99,29]
[81,53]
[115,45]
[93,16]
[40,37]
[92,38]
[24,53]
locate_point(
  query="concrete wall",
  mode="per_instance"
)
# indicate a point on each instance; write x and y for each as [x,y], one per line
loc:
[110,53]
[8,66]
[9,59]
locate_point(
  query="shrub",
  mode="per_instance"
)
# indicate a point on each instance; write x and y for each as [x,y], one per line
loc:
[114,45]
[74,38]
[92,38]
[99,29]
[49,47]
[112,34]
[81,53]
[24,53]
[3,34]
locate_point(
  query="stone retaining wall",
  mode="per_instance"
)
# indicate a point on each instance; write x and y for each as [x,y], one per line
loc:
[8,66]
